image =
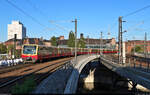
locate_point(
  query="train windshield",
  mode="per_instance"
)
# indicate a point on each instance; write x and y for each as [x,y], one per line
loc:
[29,50]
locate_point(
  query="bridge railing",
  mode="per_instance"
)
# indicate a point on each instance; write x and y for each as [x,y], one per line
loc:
[138,63]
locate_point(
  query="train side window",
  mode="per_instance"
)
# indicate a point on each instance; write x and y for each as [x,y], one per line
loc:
[50,50]
[56,51]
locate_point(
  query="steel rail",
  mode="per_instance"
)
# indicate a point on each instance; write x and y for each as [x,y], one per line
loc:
[21,77]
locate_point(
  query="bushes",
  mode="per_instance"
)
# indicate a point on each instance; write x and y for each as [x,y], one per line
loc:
[3,49]
[138,49]
[25,88]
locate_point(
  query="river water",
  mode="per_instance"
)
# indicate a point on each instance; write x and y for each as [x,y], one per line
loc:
[102,81]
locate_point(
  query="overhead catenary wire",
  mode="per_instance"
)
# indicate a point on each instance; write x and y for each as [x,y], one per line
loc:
[132,27]
[41,13]
[134,12]
[31,17]
[113,26]
[36,8]
[139,29]
[60,21]
[52,21]
[61,27]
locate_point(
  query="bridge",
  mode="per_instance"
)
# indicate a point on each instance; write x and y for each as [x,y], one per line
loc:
[65,80]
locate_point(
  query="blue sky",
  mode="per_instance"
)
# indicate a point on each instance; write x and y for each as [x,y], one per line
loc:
[93,17]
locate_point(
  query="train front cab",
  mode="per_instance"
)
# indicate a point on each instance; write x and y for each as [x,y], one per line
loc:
[29,53]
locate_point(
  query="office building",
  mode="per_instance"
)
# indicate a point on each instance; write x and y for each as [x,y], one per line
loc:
[16,28]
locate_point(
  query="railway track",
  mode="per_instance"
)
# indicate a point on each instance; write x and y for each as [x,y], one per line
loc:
[12,68]
[16,67]
[40,74]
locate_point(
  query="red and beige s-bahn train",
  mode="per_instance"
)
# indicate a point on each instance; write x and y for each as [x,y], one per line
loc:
[34,52]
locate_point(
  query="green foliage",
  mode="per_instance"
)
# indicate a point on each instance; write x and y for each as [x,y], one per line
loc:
[71,40]
[10,48]
[18,53]
[54,41]
[81,43]
[138,49]
[3,49]
[25,88]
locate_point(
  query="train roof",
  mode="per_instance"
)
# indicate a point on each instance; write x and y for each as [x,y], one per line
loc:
[58,47]
[30,44]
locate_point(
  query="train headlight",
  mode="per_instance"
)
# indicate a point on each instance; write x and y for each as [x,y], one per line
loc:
[34,60]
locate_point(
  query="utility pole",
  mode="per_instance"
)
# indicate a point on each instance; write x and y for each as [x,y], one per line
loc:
[14,54]
[134,49]
[101,42]
[145,45]
[133,45]
[75,39]
[120,41]
[88,44]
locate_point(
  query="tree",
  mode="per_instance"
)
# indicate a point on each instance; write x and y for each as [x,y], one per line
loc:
[10,49]
[81,43]
[138,49]
[3,49]
[71,40]
[54,41]
[18,53]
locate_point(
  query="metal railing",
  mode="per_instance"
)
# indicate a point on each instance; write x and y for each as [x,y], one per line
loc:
[133,62]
